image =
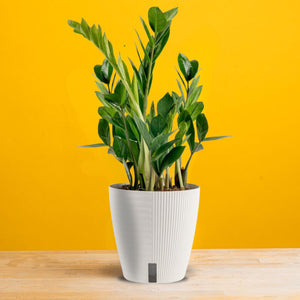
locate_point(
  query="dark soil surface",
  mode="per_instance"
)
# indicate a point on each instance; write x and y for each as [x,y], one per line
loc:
[171,189]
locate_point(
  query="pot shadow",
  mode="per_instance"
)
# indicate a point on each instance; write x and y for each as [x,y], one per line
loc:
[111,271]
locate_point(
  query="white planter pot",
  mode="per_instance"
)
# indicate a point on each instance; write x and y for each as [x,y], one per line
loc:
[154,232]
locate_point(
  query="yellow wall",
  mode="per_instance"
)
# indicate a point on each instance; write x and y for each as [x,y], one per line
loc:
[54,195]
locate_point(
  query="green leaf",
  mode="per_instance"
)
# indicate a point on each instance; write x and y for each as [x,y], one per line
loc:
[93,145]
[85,29]
[94,35]
[177,100]
[184,65]
[143,47]
[198,147]
[195,110]
[75,25]
[99,74]
[157,19]
[165,105]
[102,87]
[183,127]
[103,131]
[120,147]
[120,92]
[143,130]
[159,140]
[132,128]
[180,88]
[106,70]
[214,138]
[118,131]
[158,124]
[194,69]
[106,112]
[152,110]
[184,116]
[202,127]
[138,77]
[151,40]
[135,150]
[194,83]
[171,157]
[161,42]
[181,78]
[170,14]
[194,95]
[163,149]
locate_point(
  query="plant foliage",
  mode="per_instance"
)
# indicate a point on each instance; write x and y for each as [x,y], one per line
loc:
[146,143]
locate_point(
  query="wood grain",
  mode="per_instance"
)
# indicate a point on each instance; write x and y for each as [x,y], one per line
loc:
[90,275]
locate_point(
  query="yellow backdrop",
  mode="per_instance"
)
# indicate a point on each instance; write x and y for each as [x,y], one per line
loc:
[55,196]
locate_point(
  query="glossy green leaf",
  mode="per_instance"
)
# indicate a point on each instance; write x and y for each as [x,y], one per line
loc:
[106,70]
[171,157]
[99,74]
[75,25]
[84,28]
[158,124]
[132,128]
[152,110]
[103,131]
[194,95]
[183,127]
[157,19]
[143,47]
[119,131]
[150,38]
[143,130]
[120,147]
[93,145]
[194,69]
[195,110]
[184,65]
[184,116]
[159,140]
[164,148]
[170,14]
[214,138]
[198,147]
[106,112]
[161,43]
[94,35]
[102,87]
[165,105]
[202,127]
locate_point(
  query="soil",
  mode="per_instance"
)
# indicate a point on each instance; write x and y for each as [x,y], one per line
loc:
[171,189]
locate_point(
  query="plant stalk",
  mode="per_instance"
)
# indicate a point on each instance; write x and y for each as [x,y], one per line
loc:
[135,165]
[148,82]
[181,185]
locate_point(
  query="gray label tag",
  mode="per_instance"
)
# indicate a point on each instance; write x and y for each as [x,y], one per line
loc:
[152,272]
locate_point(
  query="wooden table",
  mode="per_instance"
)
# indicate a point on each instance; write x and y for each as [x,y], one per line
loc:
[212,274]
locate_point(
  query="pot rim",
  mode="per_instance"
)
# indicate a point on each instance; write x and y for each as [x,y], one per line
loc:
[192,187]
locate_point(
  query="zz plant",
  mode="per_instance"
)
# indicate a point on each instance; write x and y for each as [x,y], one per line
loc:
[147,143]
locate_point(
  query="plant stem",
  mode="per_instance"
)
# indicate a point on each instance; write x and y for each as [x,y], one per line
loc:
[187,89]
[167,180]
[148,82]
[179,173]
[161,182]
[135,166]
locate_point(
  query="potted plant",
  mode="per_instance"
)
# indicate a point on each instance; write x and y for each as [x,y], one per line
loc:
[154,215]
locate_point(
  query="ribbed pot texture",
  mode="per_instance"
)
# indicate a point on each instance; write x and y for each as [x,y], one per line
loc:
[154,232]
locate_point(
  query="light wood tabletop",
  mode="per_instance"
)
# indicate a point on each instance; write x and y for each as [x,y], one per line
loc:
[89,275]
